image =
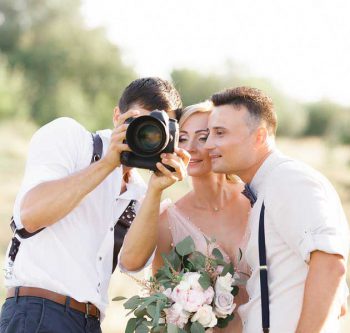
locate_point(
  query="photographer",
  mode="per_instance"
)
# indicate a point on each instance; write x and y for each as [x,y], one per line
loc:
[71,214]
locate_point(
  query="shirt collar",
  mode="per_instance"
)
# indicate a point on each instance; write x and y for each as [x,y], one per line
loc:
[135,187]
[260,176]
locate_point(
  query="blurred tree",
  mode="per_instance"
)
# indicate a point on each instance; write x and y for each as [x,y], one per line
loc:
[321,117]
[196,87]
[69,69]
[12,100]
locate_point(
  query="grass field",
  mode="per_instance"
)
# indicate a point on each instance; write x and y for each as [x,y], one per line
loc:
[334,162]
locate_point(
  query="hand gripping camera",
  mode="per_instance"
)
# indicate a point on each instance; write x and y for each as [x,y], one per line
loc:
[148,137]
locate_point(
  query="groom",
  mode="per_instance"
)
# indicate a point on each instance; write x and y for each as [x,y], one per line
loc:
[306,232]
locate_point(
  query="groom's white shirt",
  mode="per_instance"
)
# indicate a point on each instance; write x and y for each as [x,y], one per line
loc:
[74,256]
[303,214]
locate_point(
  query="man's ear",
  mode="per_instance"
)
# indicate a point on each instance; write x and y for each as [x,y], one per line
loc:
[116,114]
[261,136]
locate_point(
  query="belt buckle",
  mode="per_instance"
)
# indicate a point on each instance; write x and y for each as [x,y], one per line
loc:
[87,312]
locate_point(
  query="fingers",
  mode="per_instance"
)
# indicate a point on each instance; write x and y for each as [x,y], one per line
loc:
[185,156]
[125,116]
[163,170]
[175,162]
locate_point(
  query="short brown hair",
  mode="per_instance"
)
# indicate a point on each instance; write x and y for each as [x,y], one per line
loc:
[259,105]
[151,93]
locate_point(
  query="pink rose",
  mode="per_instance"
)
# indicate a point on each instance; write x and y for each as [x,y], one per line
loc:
[195,299]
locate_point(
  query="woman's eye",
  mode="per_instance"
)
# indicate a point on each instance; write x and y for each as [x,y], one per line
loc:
[182,139]
[203,138]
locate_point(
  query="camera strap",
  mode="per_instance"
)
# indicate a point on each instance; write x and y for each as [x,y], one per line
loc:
[121,228]
[23,233]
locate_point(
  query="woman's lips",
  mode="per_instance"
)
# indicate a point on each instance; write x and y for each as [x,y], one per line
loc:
[195,161]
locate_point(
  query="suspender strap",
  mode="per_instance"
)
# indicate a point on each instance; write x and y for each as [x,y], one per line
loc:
[96,155]
[264,287]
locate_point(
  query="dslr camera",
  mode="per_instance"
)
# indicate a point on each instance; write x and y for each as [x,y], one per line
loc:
[148,137]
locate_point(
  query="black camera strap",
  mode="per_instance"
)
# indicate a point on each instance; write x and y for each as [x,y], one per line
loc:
[264,287]
[23,233]
[121,228]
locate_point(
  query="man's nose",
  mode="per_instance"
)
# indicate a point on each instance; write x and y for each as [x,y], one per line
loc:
[209,144]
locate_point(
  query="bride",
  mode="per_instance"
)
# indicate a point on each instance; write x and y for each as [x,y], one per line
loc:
[214,209]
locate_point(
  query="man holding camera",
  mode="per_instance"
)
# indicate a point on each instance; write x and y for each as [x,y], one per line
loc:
[75,202]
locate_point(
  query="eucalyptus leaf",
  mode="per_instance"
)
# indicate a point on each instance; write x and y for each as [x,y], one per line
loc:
[133,302]
[119,298]
[228,268]
[140,312]
[196,327]
[234,291]
[171,328]
[141,329]
[151,310]
[185,247]
[204,280]
[131,325]
[197,259]
[157,313]
[223,322]
[217,254]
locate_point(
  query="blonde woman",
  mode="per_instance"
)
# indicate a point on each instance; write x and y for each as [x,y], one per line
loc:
[214,208]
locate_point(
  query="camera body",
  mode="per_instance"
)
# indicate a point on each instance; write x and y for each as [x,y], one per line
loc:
[148,137]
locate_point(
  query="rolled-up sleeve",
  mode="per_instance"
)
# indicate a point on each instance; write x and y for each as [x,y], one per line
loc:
[53,153]
[307,213]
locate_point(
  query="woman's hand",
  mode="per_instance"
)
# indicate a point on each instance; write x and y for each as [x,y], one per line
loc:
[163,178]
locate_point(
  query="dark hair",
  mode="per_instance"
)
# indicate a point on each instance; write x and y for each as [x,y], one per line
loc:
[259,105]
[150,93]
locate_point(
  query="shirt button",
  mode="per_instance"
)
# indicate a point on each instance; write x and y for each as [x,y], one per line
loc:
[100,258]
[111,229]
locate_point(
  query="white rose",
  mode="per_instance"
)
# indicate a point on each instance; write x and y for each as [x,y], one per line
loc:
[192,279]
[177,315]
[224,283]
[224,305]
[205,316]
[167,292]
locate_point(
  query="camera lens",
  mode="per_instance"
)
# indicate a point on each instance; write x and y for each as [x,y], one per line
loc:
[148,137]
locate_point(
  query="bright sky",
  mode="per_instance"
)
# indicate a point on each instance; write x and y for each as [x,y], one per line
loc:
[303,46]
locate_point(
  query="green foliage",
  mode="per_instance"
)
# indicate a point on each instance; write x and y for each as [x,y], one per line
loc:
[197,328]
[68,69]
[185,247]
[12,101]
[329,120]
[321,117]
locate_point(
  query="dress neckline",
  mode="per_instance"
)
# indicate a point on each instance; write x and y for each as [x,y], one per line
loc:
[215,244]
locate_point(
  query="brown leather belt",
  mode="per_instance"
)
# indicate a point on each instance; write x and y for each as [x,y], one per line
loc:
[87,308]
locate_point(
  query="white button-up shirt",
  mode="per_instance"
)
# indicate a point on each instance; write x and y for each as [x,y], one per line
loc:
[303,213]
[74,256]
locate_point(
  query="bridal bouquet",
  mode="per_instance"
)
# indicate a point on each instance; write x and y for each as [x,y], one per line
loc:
[191,292]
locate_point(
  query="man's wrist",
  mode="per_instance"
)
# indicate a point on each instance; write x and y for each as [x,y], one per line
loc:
[106,165]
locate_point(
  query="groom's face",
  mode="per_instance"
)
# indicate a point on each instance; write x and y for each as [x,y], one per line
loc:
[231,142]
